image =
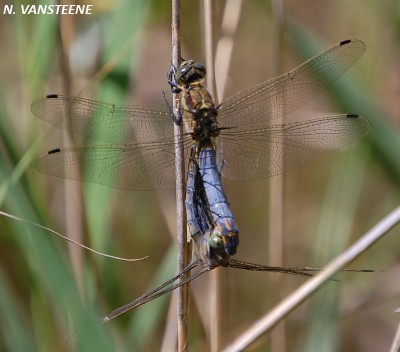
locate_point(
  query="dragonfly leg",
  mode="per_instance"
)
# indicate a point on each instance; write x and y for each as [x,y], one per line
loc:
[222,166]
[171,74]
[176,119]
[176,89]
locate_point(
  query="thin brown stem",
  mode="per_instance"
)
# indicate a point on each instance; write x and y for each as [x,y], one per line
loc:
[180,191]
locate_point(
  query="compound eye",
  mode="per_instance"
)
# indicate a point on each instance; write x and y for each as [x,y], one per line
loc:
[215,240]
[190,72]
[200,68]
[186,65]
[183,70]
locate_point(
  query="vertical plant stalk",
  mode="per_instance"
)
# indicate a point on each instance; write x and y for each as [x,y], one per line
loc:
[182,307]
[276,185]
[215,275]
[269,320]
[223,54]
[217,78]
[73,190]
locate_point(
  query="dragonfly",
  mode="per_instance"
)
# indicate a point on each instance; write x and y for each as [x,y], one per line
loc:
[208,250]
[199,112]
[139,144]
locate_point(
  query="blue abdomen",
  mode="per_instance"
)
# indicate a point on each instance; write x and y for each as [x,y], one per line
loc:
[218,204]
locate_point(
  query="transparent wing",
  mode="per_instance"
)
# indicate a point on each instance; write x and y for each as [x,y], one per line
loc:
[277,97]
[105,122]
[281,148]
[139,167]
[245,144]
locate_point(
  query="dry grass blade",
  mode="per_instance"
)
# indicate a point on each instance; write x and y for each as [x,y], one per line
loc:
[269,320]
[396,341]
[70,240]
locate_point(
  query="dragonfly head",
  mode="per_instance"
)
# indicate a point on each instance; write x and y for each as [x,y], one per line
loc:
[190,72]
[215,240]
[217,248]
[209,248]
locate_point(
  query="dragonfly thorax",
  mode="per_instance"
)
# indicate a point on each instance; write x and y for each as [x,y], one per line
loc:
[199,112]
[204,125]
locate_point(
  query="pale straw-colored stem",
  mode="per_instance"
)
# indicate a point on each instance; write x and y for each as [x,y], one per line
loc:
[215,275]
[276,185]
[269,320]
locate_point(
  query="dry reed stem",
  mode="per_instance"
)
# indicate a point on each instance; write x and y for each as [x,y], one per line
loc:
[269,320]
[73,190]
[170,331]
[216,83]
[395,347]
[223,54]
[276,185]
[180,190]
[215,275]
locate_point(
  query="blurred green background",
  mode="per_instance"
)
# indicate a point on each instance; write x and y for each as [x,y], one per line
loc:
[52,295]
